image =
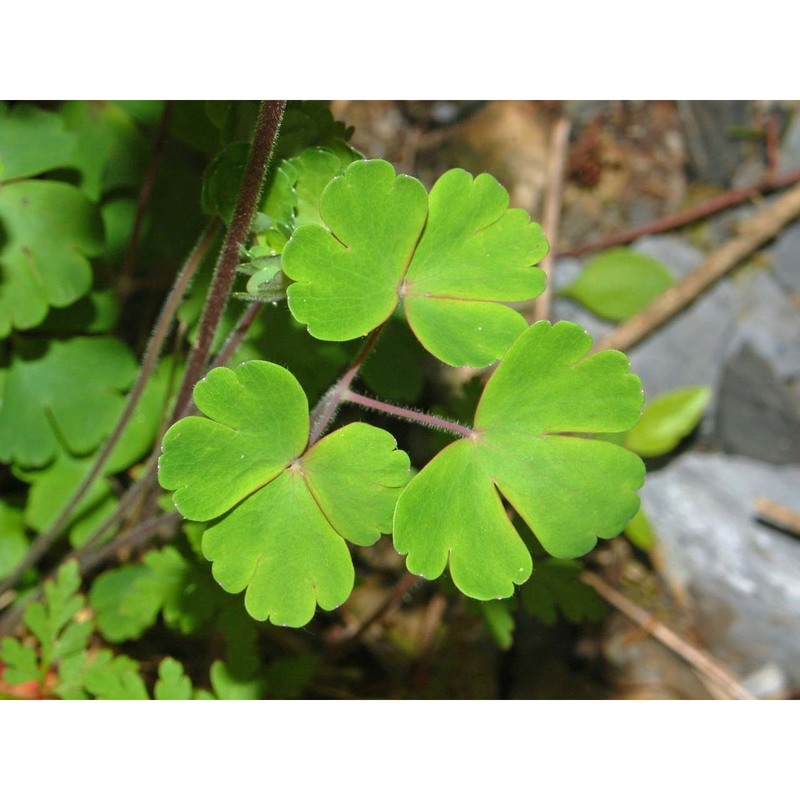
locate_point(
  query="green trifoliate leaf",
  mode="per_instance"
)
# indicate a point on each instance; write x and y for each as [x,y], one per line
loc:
[667,419]
[61,392]
[32,141]
[556,586]
[287,511]
[618,283]
[453,259]
[568,489]
[50,232]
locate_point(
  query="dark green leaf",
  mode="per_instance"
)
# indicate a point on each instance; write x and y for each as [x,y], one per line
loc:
[51,230]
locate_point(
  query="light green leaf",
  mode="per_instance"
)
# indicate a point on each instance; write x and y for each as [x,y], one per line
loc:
[568,489]
[32,141]
[667,419]
[388,241]
[289,510]
[51,230]
[172,683]
[640,532]
[55,392]
[618,283]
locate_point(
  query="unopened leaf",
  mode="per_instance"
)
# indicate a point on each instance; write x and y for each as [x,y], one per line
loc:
[387,242]
[569,490]
[667,419]
[286,512]
[618,283]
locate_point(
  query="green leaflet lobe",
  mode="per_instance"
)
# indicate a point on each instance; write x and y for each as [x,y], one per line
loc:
[452,258]
[347,282]
[283,514]
[570,490]
[258,423]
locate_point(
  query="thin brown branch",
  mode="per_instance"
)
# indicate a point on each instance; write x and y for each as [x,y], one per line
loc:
[699,660]
[782,517]
[406,583]
[552,211]
[682,218]
[757,231]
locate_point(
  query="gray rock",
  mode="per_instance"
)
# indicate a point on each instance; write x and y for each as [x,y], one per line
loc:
[743,575]
[789,157]
[714,153]
[767,320]
[786,258]
[756,414]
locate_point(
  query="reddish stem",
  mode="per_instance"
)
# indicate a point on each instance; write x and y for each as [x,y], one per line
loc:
[406,413]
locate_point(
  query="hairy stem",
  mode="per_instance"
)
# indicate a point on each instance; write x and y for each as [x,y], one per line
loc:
[162,327]
[261,147]
[327,407]
[428,420]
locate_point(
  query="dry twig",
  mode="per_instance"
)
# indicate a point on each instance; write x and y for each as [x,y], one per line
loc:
[782,517]
[707,667]
[682,218]
[757,231]
[552,211]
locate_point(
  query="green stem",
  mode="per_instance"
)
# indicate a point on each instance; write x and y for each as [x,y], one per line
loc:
[418,417]
[261,147]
